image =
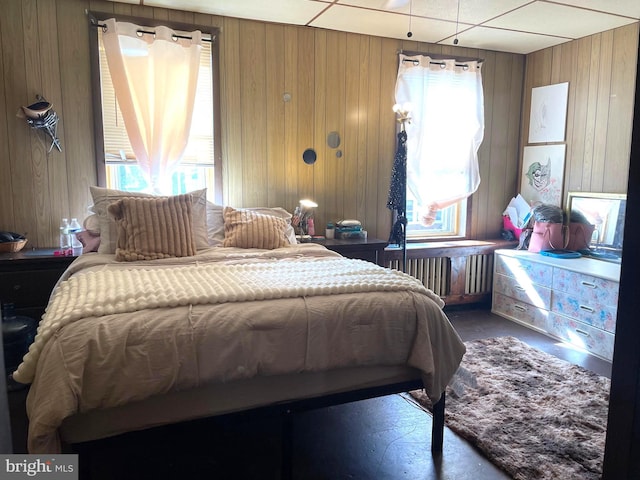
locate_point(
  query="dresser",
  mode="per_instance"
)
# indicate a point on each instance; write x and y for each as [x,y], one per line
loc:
[574,300]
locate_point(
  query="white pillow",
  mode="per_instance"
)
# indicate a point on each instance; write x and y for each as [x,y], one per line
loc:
[215,224]
[103,197]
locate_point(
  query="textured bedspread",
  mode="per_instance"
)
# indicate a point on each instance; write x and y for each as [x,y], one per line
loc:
[120,332]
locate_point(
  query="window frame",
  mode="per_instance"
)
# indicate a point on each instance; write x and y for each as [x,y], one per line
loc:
[213,32]
[440,237]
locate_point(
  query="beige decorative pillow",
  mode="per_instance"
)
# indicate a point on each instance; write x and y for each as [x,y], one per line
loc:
[152,228]
[248,229]
[103,197]
[215,222]
[281,213]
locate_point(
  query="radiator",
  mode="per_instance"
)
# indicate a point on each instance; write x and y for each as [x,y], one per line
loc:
[479,278]
[435,273]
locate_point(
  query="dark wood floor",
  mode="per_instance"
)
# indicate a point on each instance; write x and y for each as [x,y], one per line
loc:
[380,438]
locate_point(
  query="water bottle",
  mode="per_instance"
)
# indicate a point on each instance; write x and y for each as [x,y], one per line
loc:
[64,234]
[74,228]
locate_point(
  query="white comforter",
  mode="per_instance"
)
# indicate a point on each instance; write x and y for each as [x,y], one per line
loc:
[117,332]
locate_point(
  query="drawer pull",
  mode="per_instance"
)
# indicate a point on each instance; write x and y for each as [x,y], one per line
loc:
[588,284]
[520,307]
[582,332]
[586,308]
[518,287]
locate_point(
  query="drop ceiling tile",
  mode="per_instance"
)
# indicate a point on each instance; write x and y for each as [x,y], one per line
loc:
[374,22]
[628,8]
[505,40]
[560,20]
[474,12]
[297,12]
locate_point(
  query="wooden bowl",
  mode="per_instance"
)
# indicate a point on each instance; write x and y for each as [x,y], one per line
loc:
[37,110]
[8,247]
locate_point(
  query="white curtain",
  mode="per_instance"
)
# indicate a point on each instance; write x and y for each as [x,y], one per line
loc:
[445,130]
[154,78]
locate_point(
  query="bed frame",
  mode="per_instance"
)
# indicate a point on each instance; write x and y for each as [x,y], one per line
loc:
[282,395]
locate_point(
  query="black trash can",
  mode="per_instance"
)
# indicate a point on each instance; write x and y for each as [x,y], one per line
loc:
[18,333]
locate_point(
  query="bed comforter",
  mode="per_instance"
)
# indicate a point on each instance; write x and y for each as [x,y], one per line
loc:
[119,332]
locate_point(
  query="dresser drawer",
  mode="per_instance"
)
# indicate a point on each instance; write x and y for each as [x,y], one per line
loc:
[527,292]
[584,336]
[594,290]
[524,271]
[28,288]
[520,311]
[584,310]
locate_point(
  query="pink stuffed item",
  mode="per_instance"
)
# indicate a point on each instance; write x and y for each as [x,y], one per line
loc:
[90,241]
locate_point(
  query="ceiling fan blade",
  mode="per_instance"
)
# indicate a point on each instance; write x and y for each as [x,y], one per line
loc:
[394,4]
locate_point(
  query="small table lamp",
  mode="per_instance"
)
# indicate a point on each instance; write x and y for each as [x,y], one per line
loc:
[303,219]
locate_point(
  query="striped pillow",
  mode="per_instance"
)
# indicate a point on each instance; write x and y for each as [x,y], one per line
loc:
[103,197]
[153,227]
[248,229]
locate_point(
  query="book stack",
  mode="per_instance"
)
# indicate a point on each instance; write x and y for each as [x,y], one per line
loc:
[349,230]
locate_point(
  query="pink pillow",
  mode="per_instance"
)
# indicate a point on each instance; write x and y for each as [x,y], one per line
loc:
[90,241]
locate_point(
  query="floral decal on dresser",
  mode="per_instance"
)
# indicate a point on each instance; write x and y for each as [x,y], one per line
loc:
[525,272]
[587,310]
[581,335]
[591,289]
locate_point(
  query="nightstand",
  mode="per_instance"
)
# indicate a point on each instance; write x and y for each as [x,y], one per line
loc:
[371,249]
[27,278]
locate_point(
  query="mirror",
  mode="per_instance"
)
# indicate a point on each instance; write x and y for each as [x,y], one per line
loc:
[333,140]
[605,211]
[309,156]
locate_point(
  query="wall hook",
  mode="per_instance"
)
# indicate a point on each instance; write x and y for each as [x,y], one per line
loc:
[41,116]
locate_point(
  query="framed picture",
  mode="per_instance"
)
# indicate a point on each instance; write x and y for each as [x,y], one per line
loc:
[543,174]
[548,117]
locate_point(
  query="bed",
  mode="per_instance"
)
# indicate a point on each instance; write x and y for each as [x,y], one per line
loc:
[131,344]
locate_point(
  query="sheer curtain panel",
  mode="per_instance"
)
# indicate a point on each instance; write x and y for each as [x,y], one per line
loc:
[445,132]
[154,77]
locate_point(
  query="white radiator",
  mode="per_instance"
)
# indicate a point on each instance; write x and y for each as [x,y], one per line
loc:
[479,277]
[435,273]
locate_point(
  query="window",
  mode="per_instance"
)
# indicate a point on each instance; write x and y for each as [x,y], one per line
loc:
[198,168]
[444,102]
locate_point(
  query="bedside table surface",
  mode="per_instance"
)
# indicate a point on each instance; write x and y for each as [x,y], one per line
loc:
[357,242]
[35,256]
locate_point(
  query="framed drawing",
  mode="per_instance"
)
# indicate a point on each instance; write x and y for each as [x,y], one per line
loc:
[548,115]
[543,174]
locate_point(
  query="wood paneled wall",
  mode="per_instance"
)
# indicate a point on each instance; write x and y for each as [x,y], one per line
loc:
[601,71]
[337,82]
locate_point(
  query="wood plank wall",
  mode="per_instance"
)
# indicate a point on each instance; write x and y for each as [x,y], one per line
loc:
[337,81]
[601,71]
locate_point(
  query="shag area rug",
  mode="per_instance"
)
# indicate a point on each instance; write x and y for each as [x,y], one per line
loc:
[532,414]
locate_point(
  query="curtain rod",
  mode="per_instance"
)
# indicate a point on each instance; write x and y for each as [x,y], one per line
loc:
[442,57]
[149,32]
[442,64]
